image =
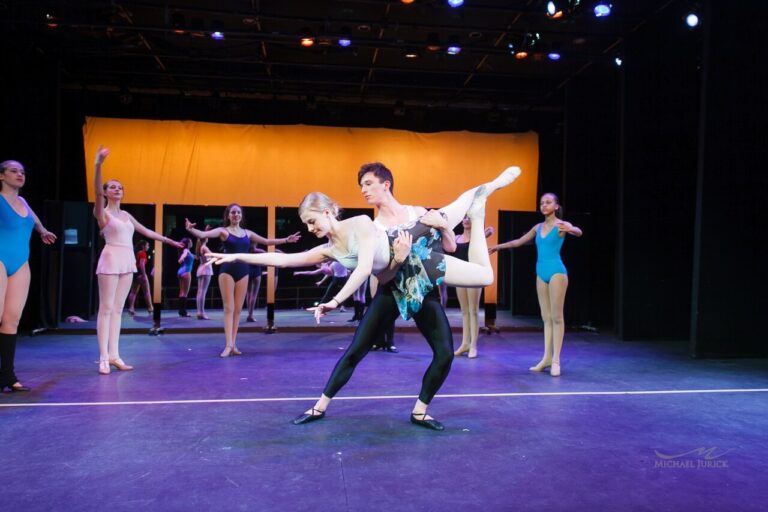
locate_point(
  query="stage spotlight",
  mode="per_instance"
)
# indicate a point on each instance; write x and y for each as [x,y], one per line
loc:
[554,10]
[692,19]
[406,2]
[618,61]
[344,40]
[216,31]
[521,55]
[411,53]
[553,55]
[433,42]
[307,39]
[178,23]
[455,3]
[51,21]
[453,47]
[602,9]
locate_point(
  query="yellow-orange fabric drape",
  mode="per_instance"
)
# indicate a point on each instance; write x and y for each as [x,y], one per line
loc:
[189,162]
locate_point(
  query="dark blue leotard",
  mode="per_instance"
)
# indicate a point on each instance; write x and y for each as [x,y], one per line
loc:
[236,244]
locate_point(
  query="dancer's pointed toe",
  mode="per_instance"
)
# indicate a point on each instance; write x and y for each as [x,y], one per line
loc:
[431,424]
[308,417]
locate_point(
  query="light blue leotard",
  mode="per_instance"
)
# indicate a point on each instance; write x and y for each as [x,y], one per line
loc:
[15,232]
[548,248]
[186,265]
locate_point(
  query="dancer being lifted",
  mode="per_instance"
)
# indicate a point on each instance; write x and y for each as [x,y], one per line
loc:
[411,258]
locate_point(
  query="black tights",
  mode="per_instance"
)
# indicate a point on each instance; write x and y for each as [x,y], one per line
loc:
[7,355]
[433,325]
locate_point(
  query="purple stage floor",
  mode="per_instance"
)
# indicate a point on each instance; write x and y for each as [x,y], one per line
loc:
[629,426]
[286,320]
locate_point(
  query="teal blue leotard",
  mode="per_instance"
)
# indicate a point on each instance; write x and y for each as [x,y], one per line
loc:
[548,247]
[15,232]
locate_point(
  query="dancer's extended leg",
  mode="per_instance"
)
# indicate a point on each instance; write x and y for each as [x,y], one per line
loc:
[456,211]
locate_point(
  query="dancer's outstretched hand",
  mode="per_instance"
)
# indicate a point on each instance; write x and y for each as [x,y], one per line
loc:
[401,247]
[188,224]
[47,237]
[492,249]
[321,309]
[174,243]
[292,239]
[219,258]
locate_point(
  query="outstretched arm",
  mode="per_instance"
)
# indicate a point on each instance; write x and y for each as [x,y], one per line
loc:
[220,233]
[148,233]
[274,259]
[290,239]
[530,235]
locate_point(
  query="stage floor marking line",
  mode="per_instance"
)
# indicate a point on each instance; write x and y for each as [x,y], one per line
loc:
[390,397]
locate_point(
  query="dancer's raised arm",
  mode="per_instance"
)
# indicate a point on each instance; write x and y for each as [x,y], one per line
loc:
[98,187]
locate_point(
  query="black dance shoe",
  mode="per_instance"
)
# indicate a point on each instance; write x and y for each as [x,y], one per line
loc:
[430,424]
[309,418]
[392,349]
[18,388]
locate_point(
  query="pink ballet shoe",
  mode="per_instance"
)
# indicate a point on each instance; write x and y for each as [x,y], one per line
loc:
[120,365]
[104,366]
[554,371]
[463,349]
[236,351]
[226,352]
[543,365]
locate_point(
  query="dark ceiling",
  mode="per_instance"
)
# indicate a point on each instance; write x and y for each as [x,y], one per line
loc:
[129,48]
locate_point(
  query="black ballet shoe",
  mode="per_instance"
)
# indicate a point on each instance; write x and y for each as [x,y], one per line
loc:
[392,349]
[308,418]
[432,424]
[18,388]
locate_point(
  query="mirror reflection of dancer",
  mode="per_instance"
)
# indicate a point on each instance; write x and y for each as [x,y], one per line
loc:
[16,223]
[551,276]
[186,261]
[469,298]
[233,277]
[140,279]
[204,273]
[116,263]
[408,258]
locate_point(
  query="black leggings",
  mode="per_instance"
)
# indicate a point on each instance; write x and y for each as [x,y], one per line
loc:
[433,325]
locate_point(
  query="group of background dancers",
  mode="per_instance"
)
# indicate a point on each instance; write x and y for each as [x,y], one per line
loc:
[410,251]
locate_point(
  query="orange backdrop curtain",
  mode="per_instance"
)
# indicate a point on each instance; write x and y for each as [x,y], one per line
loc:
[189,162]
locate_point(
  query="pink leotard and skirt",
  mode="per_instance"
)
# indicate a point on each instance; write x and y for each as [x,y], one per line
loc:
[117,256]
